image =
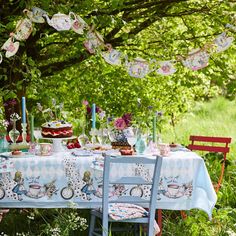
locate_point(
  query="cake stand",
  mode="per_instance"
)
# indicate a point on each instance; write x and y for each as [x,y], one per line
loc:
[57,143]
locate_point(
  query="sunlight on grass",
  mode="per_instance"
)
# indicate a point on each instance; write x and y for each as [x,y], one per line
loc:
[214,118]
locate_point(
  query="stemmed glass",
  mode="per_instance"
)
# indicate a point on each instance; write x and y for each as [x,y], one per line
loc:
[37,134]
[102,136]
[131,136]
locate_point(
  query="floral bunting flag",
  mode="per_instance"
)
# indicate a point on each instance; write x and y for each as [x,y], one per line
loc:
[196,59]
[223,42]
[166,68]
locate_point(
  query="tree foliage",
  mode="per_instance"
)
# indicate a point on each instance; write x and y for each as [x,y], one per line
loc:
[55,64]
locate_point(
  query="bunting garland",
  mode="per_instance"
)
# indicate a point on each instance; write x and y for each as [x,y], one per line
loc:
[138,67]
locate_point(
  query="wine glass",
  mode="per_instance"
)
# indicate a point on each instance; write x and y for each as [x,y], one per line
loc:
[131,136]
[37,134]
[36,146]
[111,135]
[102,135]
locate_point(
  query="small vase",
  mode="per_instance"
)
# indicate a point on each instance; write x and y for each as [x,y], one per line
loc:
[140,145]
[3,143]
[14,133]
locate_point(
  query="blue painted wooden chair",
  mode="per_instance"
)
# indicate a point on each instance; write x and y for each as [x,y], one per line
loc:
[149,203]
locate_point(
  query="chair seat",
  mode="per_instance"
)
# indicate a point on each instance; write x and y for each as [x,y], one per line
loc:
[98,213]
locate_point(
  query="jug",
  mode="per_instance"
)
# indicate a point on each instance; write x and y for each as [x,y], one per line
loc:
[59,21]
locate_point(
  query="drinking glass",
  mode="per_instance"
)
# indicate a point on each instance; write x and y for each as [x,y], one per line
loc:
[111,135]
[131,135]
[37,134]
[102,136]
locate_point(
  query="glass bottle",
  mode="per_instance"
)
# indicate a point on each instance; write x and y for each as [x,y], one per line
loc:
[14,133]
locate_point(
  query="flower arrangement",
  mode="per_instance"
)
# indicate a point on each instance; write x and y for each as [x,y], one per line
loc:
[55,113]
[3,123]
[123,122]
[119,126]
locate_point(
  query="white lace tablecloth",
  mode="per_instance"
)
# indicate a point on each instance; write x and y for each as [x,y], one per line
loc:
[73,180]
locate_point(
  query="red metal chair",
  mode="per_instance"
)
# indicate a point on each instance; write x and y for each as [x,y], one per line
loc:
[212,144]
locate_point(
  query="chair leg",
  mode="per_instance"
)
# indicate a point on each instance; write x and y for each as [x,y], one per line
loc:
[92,224]
[183,215]
[159,221]
[105,229]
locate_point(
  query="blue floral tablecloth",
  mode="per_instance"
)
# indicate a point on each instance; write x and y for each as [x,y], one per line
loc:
[72,180]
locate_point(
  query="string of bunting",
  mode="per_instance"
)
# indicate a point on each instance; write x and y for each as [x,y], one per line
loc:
[138,68]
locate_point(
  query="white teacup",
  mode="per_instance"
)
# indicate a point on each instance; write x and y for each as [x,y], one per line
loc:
[45,149]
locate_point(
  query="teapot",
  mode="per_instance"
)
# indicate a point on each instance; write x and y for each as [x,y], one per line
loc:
[223,42]
[112,56]
[78,24]
[139,67]
[197,59]
[59,21]
[36,15]
[24,28]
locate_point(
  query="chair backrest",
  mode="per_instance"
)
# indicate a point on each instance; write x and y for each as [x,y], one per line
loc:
[212,144]
[130,179]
